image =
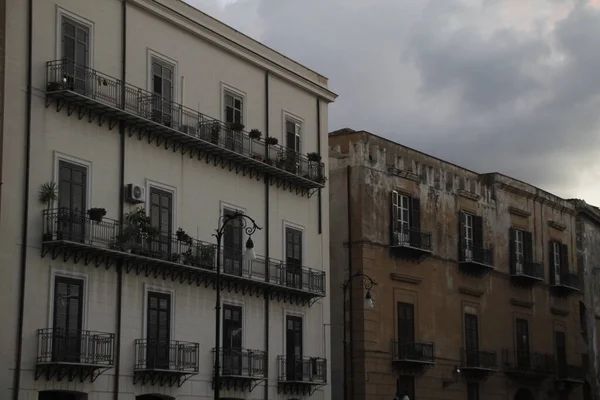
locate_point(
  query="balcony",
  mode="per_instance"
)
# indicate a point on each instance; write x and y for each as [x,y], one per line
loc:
[566,283]
[99,97]
[413,358]
[570,374]
[300,376]
[527,365]
[178,257]
[73,354]
[476,260]
[411,243]
[526,273]
[165,361]
[242,369]
[477,365]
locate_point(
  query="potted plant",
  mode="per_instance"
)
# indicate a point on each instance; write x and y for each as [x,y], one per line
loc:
[138,231]
[96,214]
[215,132]
[314,157]
[270,140]
[182,236]
[255,134]
[236,126]
[48,194]
[207,256]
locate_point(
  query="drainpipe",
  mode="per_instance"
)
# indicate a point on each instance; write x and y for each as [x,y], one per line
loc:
[319,152]
[119,265]
[267,236]
[350,272]
[25,220]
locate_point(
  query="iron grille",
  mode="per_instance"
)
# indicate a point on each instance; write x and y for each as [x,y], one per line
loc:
[414,351]
[521,267]
[477,254]
[242,362]
[528,362]
[170,355]
[302,369]
[58,345]
[411,237]
[475,358]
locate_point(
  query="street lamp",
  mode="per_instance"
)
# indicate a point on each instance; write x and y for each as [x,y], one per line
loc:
[249,226]
[367,283]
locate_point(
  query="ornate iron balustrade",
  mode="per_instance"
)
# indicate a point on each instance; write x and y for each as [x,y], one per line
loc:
[411,237]
[572,373]
[64,228]
[478,359]
[528,363]
[523,268]
[422,352]
[302,369]
[476,254]
[145,110]
[168,355]
[566,279]
[242,363]
[74,353]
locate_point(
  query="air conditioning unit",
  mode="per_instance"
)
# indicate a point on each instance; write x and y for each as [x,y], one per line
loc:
[136,193]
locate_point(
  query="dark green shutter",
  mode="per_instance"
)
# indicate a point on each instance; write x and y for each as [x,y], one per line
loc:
[564,259]
[415,222]
[512,249]
[551,265]
[528,247]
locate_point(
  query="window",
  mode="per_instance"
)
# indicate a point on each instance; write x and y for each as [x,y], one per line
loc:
[522,332]
[292,134]
[234,108]
[67,319]
[472,340]
[158,330]
[521,250]
[232,339]
[294,348]
[559,261]
[72,194]
[161,218]
[406,220]
[75,51]
[472,391]
[405,386]
[162,82]
[293,257]
[406,323]
[561,352]
[232,246]
[471,238]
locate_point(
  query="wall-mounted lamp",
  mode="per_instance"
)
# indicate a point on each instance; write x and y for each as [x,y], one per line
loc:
[455,376]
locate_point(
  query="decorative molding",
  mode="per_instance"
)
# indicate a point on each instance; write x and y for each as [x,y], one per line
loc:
[402,173]
[519,212]
[468,195]
[559,311]
[405,278]
[542,200]
[557,225]
[471,292]
[521,303]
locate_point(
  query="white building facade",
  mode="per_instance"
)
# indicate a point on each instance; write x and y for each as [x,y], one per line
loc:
[159,114]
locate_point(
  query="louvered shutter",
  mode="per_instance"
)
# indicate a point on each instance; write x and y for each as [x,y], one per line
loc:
[564,259]
[68,41]
[415,222]
[551,263]
[512,235]
[528,247]
[478,253]
[461,236]
[394,214]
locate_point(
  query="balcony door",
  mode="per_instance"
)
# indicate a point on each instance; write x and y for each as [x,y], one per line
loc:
[293,257]
[522,330]
[162,89]
[292,143]
[472,340]
[161,218]
[234,114]
[67,319]
[406,329]
[232,245]
[561,352]
[158,330]
[72,194]
[232,340]
[75,53]
[293,348]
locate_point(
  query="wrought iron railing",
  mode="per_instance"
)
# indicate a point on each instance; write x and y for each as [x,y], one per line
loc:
[65,75]
[475,358]
[569,279]
[525,361]
[167,355]
[179,248]
[242,362]
[302,369]
[572,372]
[413,351]
[477,254]
[412,237]
[522,267]
[58,345]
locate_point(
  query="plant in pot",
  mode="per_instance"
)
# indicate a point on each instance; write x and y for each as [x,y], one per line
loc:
[236,126]
[207,256]
[48,194]
[96,214]
[182,236]
[255,134]
[138,232]
[270,140]
[215,132]
[314,157]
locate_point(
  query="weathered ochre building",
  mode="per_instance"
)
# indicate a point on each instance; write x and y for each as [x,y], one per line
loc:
[477,291]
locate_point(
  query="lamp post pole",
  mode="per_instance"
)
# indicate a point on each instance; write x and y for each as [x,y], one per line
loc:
[367,283]
[249,226]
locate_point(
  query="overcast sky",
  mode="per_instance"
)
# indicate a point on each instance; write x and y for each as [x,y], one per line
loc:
[511,86]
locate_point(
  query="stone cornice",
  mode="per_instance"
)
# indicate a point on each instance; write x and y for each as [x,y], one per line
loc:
[405,278]
[559,311]
[521,303]
[468,195]
[470,291]
[557,225]
[542,200]
[403,173]
[519,212]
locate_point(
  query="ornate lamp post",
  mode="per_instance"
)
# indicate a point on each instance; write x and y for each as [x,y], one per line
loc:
[249,226]
[367,283]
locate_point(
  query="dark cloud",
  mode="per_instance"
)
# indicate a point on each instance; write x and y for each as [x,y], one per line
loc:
[506,86]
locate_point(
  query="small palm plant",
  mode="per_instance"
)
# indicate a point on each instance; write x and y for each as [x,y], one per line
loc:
[48,194]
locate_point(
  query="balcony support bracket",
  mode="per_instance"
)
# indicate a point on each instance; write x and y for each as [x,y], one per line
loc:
[238,383]
[298,388]
[69,371]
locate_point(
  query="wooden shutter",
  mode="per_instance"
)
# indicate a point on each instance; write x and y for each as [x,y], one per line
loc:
[564,258]
[394,214]
[522,331]
[471,332]
[528,246]
[415,213]
[512,246]
[406,323]
[477,231]
[551,265]
[68,304]
[461,235]
[72,186]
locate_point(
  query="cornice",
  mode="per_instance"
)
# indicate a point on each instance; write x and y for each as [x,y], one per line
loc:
[402,173]
[405,278]
[559,311]
[521,303]
[528,195]
[470,291]
[557,225]
[468,195]
[519,212]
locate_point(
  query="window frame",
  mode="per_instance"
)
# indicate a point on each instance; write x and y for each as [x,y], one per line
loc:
[154,55]
[235,92]
[58,157]
[55,272]
[158,289]
[64,13]
[234,96]
[167,188]
[299,122]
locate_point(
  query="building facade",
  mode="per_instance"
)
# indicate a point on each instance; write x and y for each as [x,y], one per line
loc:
[477,292]
[134,129]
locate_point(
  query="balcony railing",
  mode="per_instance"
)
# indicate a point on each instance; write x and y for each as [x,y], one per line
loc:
[421,352]
[141,107]
[528,363]
[409,237]
[180,248]
[566,279]
[302,369]
[571,372]
[476,254]
[478,359]
[243,363]
[57,345]
[166,355]
[527,269]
